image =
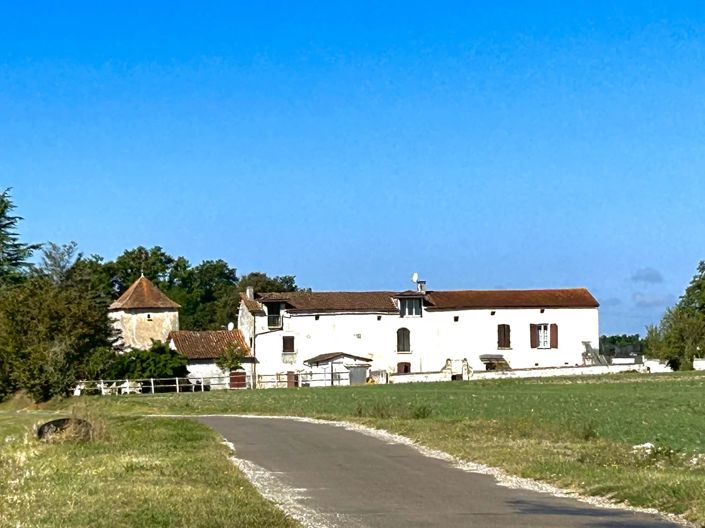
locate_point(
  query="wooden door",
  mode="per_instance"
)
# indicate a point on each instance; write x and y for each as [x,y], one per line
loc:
[238,379]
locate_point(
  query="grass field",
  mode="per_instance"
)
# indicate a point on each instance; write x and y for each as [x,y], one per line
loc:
[139,472]
[576,433]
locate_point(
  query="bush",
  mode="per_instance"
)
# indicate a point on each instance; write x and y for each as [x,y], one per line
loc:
[158,361]
[47,372]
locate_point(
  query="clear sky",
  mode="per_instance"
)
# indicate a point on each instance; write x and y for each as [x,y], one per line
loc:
[521,145]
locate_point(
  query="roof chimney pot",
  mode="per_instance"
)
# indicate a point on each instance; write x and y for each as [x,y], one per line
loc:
[250,293]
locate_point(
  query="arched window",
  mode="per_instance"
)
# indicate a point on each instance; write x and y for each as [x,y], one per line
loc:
[403,340]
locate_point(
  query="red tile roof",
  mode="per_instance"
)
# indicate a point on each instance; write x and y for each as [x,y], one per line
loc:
[252,306]
[208,344]
[563,298]
[314,302]
[143,294]
[302,302]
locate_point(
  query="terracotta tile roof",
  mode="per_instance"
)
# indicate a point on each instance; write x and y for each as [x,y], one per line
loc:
[333,301]
[252,306]
[208,344]
[143,294]
[563,298]
[411,293]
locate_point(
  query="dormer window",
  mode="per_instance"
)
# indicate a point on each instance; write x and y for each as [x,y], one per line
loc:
[410,307]
[274,318]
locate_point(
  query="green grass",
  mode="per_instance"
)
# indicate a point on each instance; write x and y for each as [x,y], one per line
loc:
[140,472]
[577,433]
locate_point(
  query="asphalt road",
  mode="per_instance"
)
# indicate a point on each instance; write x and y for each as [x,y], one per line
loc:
[339,477]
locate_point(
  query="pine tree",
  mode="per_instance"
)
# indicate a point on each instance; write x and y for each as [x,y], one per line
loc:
[14,255]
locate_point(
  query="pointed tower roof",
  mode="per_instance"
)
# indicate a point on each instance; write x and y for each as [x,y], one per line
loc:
[143,294]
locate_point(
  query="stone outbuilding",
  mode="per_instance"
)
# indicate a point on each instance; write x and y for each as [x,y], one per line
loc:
[144,314]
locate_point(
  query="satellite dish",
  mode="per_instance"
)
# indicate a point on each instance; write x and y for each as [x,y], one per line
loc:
[231,326]
[415,277]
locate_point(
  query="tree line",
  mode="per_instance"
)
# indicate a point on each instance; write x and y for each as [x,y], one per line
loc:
[54,325]
[680,335]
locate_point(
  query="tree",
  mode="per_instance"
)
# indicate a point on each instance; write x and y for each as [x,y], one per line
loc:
[262,283]
[158,361]
[231,358]
[51,323]
[155,263]
[680,335]
[14,255]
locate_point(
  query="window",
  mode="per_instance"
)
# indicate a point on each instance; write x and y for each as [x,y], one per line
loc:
[403,340]
[274,318]
[504,336]
[544,335]
[410,307]
[403,368]
[288,344]
[456,318]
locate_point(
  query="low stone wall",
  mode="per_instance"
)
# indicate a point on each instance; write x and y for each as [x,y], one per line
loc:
[555,372]
[416,377]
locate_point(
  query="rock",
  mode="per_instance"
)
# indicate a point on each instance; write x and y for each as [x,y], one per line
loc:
[65,428]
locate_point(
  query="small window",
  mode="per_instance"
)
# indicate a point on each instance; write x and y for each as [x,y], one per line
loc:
[410,307]
[403,340]
[317,317]
[403,367]
[149,317]
[379,317]
[504,339]
[288,344]
[492,312]
[456,318]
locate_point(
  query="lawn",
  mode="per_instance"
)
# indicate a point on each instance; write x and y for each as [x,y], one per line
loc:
[136,472]
[577,433]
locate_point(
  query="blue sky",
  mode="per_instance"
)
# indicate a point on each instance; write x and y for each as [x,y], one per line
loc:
[521,145]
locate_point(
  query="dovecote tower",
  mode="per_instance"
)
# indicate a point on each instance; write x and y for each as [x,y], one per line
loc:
[144,314]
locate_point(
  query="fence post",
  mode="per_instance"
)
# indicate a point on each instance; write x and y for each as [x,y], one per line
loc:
[151,380]
[202,388]
[177,385]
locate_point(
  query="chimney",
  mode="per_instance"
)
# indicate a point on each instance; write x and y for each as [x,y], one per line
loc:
[421,286]
[250,293]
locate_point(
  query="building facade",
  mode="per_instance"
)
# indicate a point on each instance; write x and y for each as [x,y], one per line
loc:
[421,331]
[143,314]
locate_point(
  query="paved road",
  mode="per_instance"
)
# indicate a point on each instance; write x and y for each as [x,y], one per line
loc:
[352,479]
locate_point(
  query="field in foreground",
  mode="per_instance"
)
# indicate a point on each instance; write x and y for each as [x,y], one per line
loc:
[576,433]
[139,472]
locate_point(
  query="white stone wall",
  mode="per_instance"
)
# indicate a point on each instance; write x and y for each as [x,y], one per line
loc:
[139,327]
[435,337]
[593,370]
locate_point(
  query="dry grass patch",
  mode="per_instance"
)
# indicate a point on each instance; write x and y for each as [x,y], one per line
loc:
[137,472]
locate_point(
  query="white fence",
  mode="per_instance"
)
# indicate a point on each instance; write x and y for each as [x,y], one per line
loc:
[202,384]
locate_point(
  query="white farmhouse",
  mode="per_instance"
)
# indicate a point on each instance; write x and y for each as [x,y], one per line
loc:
[420,331]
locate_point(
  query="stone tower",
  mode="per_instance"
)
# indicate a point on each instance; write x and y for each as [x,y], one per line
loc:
[143,314]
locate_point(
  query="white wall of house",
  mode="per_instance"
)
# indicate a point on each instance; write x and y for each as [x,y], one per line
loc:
[139,327]
[435,337]
[207,370]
